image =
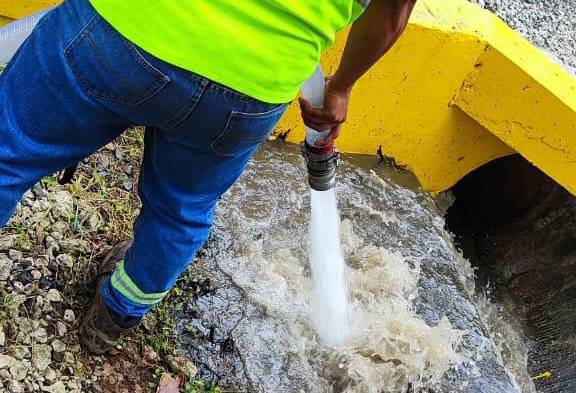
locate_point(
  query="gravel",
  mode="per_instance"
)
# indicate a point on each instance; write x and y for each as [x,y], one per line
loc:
[49,255]
[549,24]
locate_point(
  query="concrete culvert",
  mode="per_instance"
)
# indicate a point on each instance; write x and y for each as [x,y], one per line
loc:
[518,227]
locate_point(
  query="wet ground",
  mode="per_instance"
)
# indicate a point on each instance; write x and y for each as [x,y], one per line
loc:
[417,322]
[243,313]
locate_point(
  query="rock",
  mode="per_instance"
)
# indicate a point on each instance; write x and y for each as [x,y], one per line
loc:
[7,361]
[52,243]
[40,335]
[19,370]
[54,296]
[36,275]
[69,316]
[183,366]
[72,386]
[23,338]
[21,352]
[40,301]
[47,309]
[74,246]
[40,206]
[69,359]
[15,255]
[58,357]
[41,262]
[62,204]
[58,387]
[65,260]
[58,346]
[15,387]
[26,325]
[127,184]
[5,375]
[74,348]
[50,375]
[41,356]
[94,221]
[28,386]
[39,192]
[8,241]
[61,328]
[2,336]
[58,228]
[6,265]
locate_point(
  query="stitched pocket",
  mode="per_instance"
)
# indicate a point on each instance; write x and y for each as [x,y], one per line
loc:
[245,131]
[110,68]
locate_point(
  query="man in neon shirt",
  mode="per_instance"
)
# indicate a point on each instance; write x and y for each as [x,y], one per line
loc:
[209,80]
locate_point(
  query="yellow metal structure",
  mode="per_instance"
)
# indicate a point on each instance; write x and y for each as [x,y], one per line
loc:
[14,9]
[458,90]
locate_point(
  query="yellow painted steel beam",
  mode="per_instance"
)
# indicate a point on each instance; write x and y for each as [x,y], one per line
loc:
[460,89]
[15,9]
[5,20]
[450,97]
[528,102]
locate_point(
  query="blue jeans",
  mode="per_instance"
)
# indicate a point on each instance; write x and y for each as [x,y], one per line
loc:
[75,85]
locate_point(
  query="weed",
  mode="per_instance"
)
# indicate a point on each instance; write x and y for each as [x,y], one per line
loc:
[7,301]
[198,386]
[80,374]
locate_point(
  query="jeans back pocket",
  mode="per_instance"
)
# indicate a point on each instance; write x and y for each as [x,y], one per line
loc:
[110,68]
[245,131]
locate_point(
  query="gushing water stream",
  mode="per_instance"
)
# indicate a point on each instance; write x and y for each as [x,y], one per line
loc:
[416,325]
[331,305]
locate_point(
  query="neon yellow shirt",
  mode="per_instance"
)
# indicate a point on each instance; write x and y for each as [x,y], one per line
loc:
[263,48]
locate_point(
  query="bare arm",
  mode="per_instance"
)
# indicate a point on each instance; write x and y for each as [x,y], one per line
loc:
[371,36]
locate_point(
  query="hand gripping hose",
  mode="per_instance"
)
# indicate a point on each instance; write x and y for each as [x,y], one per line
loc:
[321,161]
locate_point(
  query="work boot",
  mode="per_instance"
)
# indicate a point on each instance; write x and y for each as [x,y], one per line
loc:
[101,329]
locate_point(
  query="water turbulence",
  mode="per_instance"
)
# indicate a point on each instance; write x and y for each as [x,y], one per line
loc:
[414,326]
[331,318]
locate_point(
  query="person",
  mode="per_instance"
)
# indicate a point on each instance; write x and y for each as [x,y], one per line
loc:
[208,79]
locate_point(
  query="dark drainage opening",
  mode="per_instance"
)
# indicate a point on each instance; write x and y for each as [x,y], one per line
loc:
[518,228]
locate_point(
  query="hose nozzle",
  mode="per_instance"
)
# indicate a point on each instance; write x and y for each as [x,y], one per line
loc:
[322,163]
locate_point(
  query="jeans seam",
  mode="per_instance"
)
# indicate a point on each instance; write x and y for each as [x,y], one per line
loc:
[183,114]
[214,145]
[161,79]
[226,90]
[159,84]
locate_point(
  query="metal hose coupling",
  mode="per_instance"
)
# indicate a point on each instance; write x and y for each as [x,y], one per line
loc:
[322,163]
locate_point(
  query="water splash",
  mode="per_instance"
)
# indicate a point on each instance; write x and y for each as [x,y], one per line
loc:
[411,293]
[330,304]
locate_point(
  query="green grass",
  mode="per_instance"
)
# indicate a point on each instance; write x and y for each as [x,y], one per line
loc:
[6,302]
[200,387]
